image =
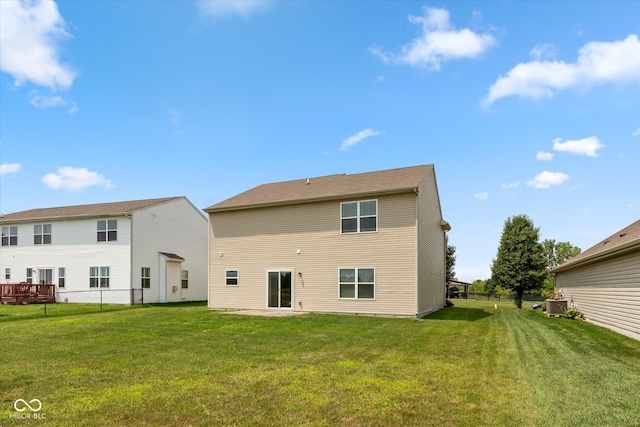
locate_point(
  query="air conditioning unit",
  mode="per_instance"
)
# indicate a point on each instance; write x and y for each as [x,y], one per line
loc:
[556,307]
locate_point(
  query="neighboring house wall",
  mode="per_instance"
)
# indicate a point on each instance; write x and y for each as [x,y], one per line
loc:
[75,248]
[431,248]
[606,292]
[254,241]
[173,227]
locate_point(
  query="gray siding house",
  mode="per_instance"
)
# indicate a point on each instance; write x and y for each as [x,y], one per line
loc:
[603,282]
[370,243]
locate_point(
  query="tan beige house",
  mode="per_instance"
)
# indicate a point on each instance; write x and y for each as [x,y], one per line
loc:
[370,243]
[603,282]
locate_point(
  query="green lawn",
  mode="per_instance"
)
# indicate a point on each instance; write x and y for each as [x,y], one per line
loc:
[184,365]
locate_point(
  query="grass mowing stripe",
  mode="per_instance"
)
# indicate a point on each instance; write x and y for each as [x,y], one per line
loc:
[184,365]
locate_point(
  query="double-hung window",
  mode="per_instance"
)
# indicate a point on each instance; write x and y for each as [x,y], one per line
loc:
[107,230]
[359,217]
[99,277]
[231,277]
[10,235]
[146,277]
[61,277]
[184,278]
[357,283]
[42,234]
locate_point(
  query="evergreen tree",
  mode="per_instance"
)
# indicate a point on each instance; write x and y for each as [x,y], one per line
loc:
[520,264]
[451,261]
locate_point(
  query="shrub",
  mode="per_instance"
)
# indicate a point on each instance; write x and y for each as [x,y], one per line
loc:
[448,303]
[573,314]
[552,294]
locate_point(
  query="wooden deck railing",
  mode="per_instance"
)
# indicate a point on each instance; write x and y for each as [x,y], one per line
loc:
[26,293]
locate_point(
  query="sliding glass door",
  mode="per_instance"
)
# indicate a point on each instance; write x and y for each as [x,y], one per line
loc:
[279,289]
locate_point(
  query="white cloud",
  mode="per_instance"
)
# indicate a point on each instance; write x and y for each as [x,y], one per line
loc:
[438,42]
[587,146]
[511,184]
[74,179]
[545,50]
[546,179]
[29,31]
[544,156]
[481,196]
[45,101]
[353,140]
[597,63]
[636,132]
[227,8]
[6,168]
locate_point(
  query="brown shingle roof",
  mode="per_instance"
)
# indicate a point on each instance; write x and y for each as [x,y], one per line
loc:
[624,239]
[113,208]
[326,187]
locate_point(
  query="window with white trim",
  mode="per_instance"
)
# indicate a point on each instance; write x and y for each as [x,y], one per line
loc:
[9,235]
[184,275]
[29,275]
[61,277]
[357,283]
[99,277]
[146,277]
[231,277]
[7,274]
[107,230]
[42,234]
[359,217]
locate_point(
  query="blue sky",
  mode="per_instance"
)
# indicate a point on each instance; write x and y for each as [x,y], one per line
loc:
[523,107]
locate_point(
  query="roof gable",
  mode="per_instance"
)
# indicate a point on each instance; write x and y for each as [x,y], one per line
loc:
[629,236]
[113,208]
[327,187]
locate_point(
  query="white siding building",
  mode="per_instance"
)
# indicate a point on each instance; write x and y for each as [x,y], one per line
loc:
[119,253]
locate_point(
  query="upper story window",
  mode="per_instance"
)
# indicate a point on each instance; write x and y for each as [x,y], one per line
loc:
[359,217]
[42,234]
[107,230]
[10,235]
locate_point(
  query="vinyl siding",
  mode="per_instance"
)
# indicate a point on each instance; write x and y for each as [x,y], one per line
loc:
[431,248]
[74,246]
[256,240]
[606,292]
[172,227]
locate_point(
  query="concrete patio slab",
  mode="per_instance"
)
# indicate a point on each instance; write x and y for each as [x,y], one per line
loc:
[266,313]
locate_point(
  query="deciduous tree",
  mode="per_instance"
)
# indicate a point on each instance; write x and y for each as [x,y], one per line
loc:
[556,253]
[520,265]
[451,261]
